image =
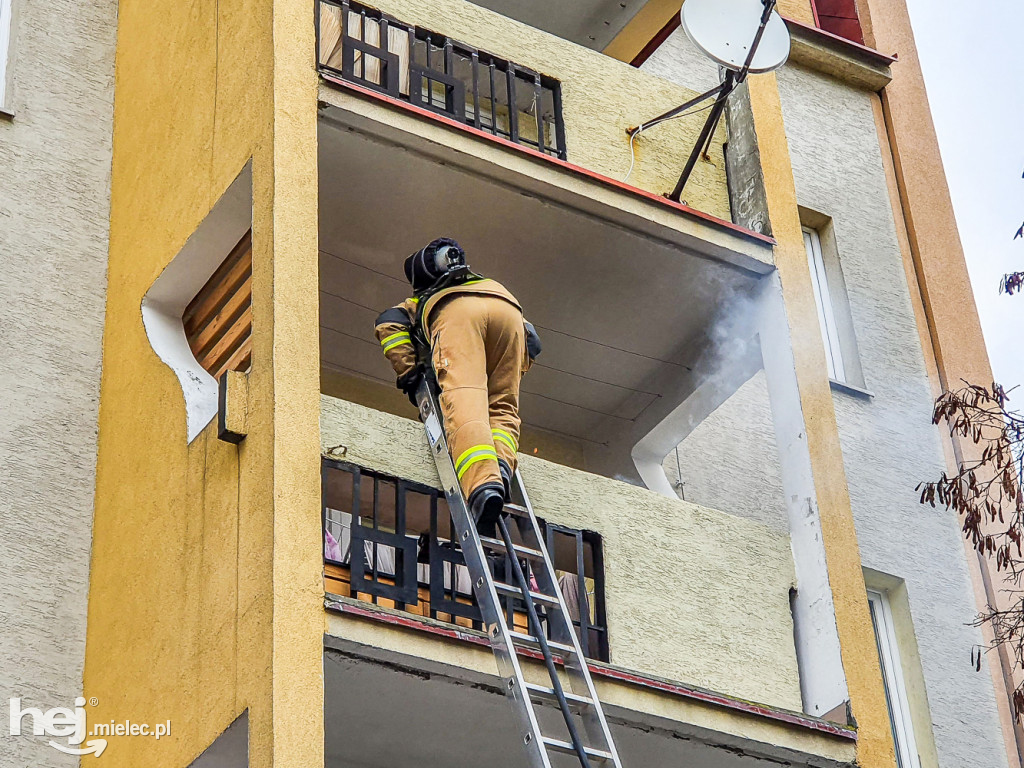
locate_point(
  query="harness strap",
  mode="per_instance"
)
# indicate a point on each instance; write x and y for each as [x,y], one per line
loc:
[458,276]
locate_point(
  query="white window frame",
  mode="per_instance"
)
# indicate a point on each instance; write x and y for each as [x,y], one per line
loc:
[5,47]
[892,673]
[823,301]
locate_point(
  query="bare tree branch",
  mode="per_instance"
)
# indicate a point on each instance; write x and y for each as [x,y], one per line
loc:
[987,495]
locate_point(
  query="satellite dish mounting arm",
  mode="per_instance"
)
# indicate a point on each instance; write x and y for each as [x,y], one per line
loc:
[721,92]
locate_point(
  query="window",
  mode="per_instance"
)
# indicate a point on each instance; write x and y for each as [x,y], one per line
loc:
[826,309]
[892,674]
[5,42]
[409,561]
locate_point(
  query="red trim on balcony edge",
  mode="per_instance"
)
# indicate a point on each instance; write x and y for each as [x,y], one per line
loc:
[707,218]
[657,41]
[601,670]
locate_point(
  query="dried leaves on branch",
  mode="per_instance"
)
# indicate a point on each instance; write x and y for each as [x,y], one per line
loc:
[988,497]
[1012,283]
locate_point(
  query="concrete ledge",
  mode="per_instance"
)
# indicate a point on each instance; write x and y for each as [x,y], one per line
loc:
[630,698]
[849,389]
[854,64]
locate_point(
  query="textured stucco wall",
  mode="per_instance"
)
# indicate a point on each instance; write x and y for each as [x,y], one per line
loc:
[55,157]
[731,461]
[888,442]
[679,60]
[693,594]
[601,96]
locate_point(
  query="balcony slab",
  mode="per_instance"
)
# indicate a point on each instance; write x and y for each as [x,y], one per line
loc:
[450,709]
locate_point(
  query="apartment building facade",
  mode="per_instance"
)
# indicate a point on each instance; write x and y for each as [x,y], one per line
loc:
[56,125]
[722,436]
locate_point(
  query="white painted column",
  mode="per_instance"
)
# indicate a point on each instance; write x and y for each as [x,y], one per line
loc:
[649,453]
[822,679]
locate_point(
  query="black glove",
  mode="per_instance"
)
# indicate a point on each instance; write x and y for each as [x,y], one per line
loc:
[533,345]
[410,383]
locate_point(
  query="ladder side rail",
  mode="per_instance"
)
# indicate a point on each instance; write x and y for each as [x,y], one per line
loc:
[483,584]
[549,662]
[578,672]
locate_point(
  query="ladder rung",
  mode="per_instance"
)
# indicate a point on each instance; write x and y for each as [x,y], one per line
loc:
[549,695]
[532,642]
[566,748]
[532,554]
[508,589]
[482,566]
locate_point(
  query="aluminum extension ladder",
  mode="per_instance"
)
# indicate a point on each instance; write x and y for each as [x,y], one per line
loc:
[593,747]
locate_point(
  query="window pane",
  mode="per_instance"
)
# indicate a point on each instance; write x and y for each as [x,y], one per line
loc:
[5,38]
[823,301]
[892,675]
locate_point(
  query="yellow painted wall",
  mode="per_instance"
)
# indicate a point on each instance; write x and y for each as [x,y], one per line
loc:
[857,641]
[601,97]
[205,589]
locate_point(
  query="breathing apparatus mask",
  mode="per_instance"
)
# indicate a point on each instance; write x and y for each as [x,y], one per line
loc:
[449,259]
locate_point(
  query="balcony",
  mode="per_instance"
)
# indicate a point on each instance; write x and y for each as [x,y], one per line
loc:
[389,541]
[456,64]
[686,594]
[675,575]
[435,73]
[627,292]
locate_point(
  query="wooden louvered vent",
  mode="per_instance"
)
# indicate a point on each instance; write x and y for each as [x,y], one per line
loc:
[218,321]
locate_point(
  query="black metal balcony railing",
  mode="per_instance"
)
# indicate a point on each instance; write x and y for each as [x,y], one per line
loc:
[403,532]
[434,72]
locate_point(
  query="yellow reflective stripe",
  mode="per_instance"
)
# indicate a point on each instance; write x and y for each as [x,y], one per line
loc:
[475,459]
[399,343]
[505,437]
[472,456]
[394,336]
[469,451]
[414,299]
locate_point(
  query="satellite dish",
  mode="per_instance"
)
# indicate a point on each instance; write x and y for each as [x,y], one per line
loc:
[726,29]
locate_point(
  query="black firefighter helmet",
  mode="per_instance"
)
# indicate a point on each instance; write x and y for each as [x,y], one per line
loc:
[428,265]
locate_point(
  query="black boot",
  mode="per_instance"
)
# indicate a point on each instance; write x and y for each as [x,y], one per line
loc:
[506,478]
[486,504]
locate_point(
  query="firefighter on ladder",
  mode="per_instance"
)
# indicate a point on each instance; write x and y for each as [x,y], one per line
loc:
[471,331]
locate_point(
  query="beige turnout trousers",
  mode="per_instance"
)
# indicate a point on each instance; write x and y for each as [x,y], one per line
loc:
[478,349]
